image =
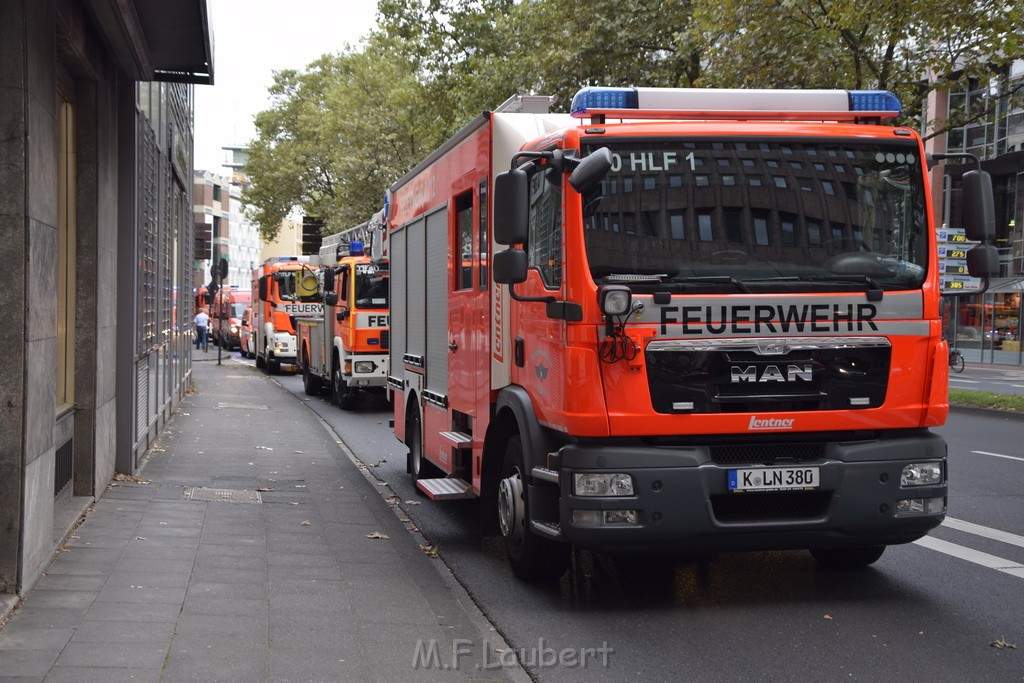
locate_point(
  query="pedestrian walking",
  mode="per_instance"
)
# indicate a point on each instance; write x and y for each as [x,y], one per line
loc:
[202,324]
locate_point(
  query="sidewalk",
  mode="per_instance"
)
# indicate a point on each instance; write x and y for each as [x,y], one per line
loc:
[257,551]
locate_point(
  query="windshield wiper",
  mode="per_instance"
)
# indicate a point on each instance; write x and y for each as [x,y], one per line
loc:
[711,280]
[874,290]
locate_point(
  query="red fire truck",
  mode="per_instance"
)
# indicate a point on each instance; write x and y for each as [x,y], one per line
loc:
[678,320]
[283,289]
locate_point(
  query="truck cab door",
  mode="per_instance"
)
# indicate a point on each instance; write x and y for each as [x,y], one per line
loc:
[469,307]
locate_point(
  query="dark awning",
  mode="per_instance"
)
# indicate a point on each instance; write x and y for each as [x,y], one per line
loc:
[158,40]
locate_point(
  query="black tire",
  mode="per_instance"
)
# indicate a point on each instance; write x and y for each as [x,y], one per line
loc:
[416,465]
[261,362]
[847,558]
[532,557]
[339,388]
[956,361]
[310,382]
[273,366]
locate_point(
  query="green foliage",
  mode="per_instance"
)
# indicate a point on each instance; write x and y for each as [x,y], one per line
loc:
[336,135]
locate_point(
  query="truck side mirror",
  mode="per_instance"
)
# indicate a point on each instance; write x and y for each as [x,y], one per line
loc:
[983,261]
[263,288]
[511,202]
[329,281]
[591,171]
[508,267]
[331,299]
[978,206]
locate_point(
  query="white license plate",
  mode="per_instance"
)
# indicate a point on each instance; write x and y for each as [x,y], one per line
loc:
[773,479]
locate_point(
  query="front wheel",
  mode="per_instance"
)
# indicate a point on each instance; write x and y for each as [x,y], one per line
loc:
[339,388]
[847,558]
[532,557]
[956,361]
[310,382]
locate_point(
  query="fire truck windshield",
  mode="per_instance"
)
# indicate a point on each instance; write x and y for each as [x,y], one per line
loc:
[778,215]
[371,287]
[297,285]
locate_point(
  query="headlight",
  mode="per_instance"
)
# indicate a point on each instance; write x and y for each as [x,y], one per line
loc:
[601,484]
[614,299]
[365,367]
[234,329]
[921,474]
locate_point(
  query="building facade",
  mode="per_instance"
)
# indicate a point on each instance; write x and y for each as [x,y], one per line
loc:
[223,231]
[986,327]
[95,169]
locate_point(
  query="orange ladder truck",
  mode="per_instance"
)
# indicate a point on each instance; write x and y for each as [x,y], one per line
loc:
[346,348]
[283,289]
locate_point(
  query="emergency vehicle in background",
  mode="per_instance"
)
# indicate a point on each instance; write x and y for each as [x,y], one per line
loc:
[346,347]
[283,289]
[246,342]
[685,320]
[226,314]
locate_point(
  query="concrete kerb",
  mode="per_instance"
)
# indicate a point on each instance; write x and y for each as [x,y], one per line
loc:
[479,619]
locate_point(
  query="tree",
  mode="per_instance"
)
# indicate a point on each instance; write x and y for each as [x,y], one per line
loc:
[858,44]
[336,135]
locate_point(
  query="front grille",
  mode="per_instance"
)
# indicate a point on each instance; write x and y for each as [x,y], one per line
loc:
[706,380]
[771,506]
[765,453]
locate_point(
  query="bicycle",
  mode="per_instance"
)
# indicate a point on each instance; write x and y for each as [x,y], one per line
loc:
[956,361]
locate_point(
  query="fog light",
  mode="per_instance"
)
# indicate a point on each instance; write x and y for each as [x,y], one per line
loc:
[921,506]
[909,507]
[365,367]
[620,517]
[603,484]
[921,474]
[586,517]
[280,346]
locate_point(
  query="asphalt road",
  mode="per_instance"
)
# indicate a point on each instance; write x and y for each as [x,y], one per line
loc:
[998,379]
[945,608]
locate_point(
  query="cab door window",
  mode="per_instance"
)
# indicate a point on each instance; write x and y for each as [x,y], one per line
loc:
[544,242]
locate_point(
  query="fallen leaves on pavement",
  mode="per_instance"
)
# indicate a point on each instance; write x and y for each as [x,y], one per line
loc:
[377,534]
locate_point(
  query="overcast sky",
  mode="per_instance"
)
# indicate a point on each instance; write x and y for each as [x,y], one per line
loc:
[252,39]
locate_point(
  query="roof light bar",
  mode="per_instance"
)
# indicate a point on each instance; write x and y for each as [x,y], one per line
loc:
[716,103]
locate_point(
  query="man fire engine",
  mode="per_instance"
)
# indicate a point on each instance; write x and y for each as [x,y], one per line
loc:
[283,289]
[713,324]
[346,347]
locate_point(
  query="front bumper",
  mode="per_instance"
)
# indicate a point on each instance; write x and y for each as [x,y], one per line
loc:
[682,501]
[282,345]
[367,370]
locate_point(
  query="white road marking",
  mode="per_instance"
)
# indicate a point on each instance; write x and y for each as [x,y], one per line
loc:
[977,557]
[964,381]
[1018,386]
[999,455]
[986,532]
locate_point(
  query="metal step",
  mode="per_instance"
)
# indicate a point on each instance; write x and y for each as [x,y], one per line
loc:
[458,439]
[446,489]
[549,529]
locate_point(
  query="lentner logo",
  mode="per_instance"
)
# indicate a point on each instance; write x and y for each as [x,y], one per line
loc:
[769,423]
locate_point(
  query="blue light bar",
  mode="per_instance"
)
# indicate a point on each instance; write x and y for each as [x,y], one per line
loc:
[603,98]
[874,100]
[355,248]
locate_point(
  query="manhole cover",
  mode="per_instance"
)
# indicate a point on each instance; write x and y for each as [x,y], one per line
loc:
[241,406]
[226,495]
